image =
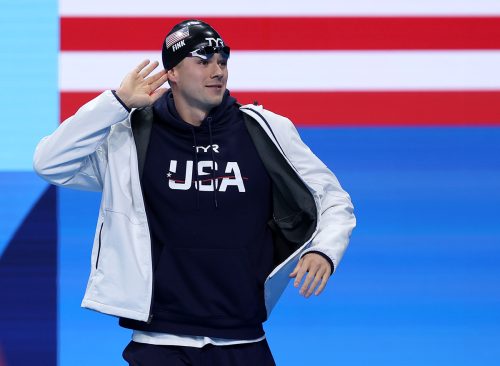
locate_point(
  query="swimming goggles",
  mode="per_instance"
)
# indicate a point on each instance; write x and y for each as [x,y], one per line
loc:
[207,52]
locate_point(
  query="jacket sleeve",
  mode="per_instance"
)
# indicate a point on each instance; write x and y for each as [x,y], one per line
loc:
[75,154]
[336,220]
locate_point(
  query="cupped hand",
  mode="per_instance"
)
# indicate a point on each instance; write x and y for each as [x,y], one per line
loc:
[139,88]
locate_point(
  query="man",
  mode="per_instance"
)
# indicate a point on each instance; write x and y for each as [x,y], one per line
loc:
[208,207]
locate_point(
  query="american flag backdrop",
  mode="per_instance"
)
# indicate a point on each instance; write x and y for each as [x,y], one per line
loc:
[340,62]
[400,98]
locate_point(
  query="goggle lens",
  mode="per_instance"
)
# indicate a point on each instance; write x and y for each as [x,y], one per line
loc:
[207,52]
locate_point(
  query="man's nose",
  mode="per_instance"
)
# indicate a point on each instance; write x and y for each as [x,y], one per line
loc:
[217,70]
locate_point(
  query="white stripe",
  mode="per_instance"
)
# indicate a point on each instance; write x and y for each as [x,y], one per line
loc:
[166,339]
[308,70]
[199,8]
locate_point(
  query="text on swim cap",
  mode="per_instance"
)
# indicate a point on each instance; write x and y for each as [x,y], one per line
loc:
[215,42]
[178,45]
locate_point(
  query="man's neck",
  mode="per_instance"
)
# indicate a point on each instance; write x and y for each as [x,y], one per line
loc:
[190,114]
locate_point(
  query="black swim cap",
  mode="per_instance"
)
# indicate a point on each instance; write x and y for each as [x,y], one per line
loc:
[186,37]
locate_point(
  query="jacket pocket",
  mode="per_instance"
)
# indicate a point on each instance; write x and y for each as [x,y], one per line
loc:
[290,221]
[99,248]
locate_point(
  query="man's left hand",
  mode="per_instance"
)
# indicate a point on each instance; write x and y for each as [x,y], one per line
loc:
[317,268]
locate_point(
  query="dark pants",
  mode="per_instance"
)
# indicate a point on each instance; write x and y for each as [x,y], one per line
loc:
[246,354]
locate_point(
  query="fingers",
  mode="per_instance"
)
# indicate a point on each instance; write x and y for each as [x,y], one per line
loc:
[324,280]
[320,276]
[316,271]
[138,89]
[141,66]
[300,273]
[294,273]
[310,276]
[157,80]
[146,70]
[316,277]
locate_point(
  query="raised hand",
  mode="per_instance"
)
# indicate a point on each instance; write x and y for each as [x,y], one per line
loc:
[139,88]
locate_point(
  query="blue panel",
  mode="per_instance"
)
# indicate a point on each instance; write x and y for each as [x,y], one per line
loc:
[28,70]
[420,283]
[18,193]
[28,271]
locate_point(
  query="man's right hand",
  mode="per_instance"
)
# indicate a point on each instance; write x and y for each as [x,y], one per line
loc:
[138,89]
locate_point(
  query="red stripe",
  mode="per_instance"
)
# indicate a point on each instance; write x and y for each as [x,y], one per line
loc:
[291,33]
[446,108]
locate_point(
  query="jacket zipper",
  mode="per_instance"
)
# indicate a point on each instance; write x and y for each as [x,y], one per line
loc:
[150,316]
[99,249]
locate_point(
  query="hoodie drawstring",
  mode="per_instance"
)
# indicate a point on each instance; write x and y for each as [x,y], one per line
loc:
[196,170]
[209,120]
[197,181]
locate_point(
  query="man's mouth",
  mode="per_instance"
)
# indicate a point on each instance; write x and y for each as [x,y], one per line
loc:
[217,86]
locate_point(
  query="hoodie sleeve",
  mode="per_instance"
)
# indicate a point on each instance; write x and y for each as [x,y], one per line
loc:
[75,154]
[337,219]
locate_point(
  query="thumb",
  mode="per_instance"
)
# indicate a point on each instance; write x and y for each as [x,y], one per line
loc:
[296,269]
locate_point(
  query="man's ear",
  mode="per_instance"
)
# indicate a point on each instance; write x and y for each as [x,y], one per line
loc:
[172,75]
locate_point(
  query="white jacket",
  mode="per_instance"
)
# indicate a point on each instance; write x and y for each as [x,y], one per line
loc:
[95,150]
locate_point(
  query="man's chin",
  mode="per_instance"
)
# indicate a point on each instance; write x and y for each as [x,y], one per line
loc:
[217,100]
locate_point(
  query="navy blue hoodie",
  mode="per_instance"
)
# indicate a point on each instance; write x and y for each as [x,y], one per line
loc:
[212,248]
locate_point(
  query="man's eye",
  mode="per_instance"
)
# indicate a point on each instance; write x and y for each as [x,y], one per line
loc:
[203,62]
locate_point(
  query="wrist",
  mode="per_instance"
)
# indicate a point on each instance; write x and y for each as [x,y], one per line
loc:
[329,260]
[123,101]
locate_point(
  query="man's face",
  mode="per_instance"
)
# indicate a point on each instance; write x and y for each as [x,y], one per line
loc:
[201,83]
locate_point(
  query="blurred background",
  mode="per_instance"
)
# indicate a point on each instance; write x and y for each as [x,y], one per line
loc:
[401,99]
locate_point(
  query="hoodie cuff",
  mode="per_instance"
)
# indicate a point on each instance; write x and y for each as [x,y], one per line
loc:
[121,101]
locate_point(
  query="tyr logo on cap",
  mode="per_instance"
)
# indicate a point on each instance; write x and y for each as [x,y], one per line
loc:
[218,42]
